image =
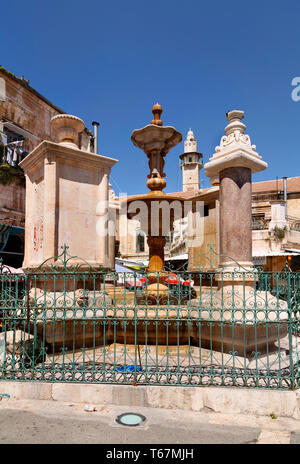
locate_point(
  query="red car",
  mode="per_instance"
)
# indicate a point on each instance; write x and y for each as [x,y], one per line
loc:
[172,281]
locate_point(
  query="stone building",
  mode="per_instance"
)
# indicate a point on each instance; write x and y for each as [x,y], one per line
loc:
[25,117]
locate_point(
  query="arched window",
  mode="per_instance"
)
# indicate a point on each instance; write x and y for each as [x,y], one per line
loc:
[140,241]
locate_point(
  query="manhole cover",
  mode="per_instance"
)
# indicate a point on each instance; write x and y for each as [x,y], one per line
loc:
[131,419]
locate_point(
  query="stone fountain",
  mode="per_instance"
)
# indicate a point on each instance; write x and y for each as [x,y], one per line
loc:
[156,141]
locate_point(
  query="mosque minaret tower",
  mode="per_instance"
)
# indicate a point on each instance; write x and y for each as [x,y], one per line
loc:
[190,164]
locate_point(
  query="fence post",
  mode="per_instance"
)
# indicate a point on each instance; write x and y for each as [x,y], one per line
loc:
[290,331]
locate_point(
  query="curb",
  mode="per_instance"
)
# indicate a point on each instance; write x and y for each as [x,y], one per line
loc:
[226,400]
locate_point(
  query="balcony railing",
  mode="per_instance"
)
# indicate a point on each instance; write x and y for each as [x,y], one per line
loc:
[260,223]
[294,223]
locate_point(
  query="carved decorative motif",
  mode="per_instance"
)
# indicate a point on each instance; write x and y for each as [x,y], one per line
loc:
[235,137]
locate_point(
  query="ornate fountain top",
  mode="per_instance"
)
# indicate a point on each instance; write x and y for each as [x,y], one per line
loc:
[156,140]
[157,110]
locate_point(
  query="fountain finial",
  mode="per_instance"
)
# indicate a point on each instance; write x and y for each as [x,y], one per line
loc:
[157,110]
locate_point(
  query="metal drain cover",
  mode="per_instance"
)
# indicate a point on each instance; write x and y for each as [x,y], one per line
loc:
[130,419]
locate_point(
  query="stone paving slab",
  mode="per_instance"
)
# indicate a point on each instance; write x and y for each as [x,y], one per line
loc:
[29,427]
[295,438]
[277,437]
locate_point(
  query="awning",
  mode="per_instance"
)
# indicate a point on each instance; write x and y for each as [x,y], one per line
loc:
[173,258]
[11,270]
[19,130]
[4,234]
[127,262]
[120,268]
[274,253]
[293,250]
[5,231]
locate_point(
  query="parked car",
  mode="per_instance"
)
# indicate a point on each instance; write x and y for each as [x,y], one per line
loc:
[177,285]
[135,282]
[181,288]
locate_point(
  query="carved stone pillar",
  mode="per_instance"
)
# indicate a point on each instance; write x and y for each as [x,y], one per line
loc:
[233,163]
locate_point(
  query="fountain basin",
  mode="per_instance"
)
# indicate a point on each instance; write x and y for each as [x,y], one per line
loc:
[155,326]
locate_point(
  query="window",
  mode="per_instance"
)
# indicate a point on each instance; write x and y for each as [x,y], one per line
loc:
[140,241]
[11,147]
[2,89]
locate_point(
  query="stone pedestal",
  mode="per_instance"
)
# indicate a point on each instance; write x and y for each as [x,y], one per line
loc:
[278,217]
[66,201]
[66,204]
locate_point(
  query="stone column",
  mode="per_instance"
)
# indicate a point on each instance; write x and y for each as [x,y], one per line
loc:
[234,162]
[50,206]
[235,216]
[112,229]
[102,222]
[156,253]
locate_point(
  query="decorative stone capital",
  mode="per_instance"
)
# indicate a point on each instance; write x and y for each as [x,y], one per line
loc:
[235,117]
[235,149]
[67,128]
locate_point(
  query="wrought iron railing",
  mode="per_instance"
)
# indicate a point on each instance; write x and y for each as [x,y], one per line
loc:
[260,223]
[294,223]
[69,323]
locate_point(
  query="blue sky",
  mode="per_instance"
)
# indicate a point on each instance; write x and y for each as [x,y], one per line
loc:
[112,60]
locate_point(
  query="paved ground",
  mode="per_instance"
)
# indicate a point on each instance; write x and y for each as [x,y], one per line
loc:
[295,438]
[37,421]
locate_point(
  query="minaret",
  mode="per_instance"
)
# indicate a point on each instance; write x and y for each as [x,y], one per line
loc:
[190,163]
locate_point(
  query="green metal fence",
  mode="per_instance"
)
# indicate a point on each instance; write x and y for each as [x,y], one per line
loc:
[73,324]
